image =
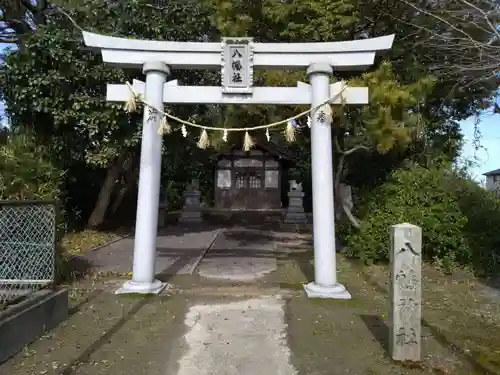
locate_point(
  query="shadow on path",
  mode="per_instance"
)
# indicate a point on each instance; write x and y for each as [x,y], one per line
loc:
[105,338]
[379,330]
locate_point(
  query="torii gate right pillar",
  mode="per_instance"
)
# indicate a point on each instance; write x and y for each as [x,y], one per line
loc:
[325,283]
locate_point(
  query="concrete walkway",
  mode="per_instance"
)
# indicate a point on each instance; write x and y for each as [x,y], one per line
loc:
[233,253]
[246,337]
[240,254]
[179,250]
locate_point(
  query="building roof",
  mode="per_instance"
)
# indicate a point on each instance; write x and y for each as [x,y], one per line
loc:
[269,146]
[492,173]
[277,150]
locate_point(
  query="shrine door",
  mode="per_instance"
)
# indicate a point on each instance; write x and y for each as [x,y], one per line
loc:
[249,188]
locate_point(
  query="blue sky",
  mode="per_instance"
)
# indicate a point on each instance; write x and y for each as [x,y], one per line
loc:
[2,119]
[487,157]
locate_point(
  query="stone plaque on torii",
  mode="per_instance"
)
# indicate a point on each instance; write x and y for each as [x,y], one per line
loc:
[237,58]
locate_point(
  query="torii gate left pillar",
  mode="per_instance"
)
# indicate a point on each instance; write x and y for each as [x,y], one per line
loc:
[146,222]
[318,58]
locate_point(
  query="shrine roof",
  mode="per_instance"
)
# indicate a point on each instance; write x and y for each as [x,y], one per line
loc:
[270,147]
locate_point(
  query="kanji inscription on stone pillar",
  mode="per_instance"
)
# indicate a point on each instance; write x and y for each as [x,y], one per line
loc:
[405,313]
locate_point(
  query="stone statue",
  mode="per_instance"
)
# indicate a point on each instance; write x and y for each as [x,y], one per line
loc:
[294,186]
[194,185]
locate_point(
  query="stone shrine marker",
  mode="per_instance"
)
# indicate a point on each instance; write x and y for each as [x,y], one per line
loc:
[237,58]
[191,212]
[405,312]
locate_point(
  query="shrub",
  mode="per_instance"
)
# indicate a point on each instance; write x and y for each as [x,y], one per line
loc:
[414,195]
[482,210]
[459,219]
[26,173]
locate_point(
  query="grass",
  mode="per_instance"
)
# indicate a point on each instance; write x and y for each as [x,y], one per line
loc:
[78,242]
[458,309]
[461,328]
[75,244]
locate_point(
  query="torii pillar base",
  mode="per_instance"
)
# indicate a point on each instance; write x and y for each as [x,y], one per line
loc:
[133,287]
[337,291]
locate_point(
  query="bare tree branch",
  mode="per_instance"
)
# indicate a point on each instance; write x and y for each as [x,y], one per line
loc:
[338,175]
[464,31]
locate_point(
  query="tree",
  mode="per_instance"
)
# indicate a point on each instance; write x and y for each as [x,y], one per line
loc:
[55,87]
[3,134]
[464,33]
[416,100]
[393,118]
[20,18]
[457,42]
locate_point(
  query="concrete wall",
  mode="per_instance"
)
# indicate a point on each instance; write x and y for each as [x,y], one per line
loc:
[493,183]
[25,322]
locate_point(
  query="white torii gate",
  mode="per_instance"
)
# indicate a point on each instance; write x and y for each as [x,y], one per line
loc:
[237,58]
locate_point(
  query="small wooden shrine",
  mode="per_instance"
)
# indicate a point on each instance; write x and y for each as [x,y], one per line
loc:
[251,180]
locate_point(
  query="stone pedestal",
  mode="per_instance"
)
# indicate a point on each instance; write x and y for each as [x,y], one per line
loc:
[191,212]
[162,210]
[295,212]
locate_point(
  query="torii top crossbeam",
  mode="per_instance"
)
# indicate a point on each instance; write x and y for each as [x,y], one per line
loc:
[348,55]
